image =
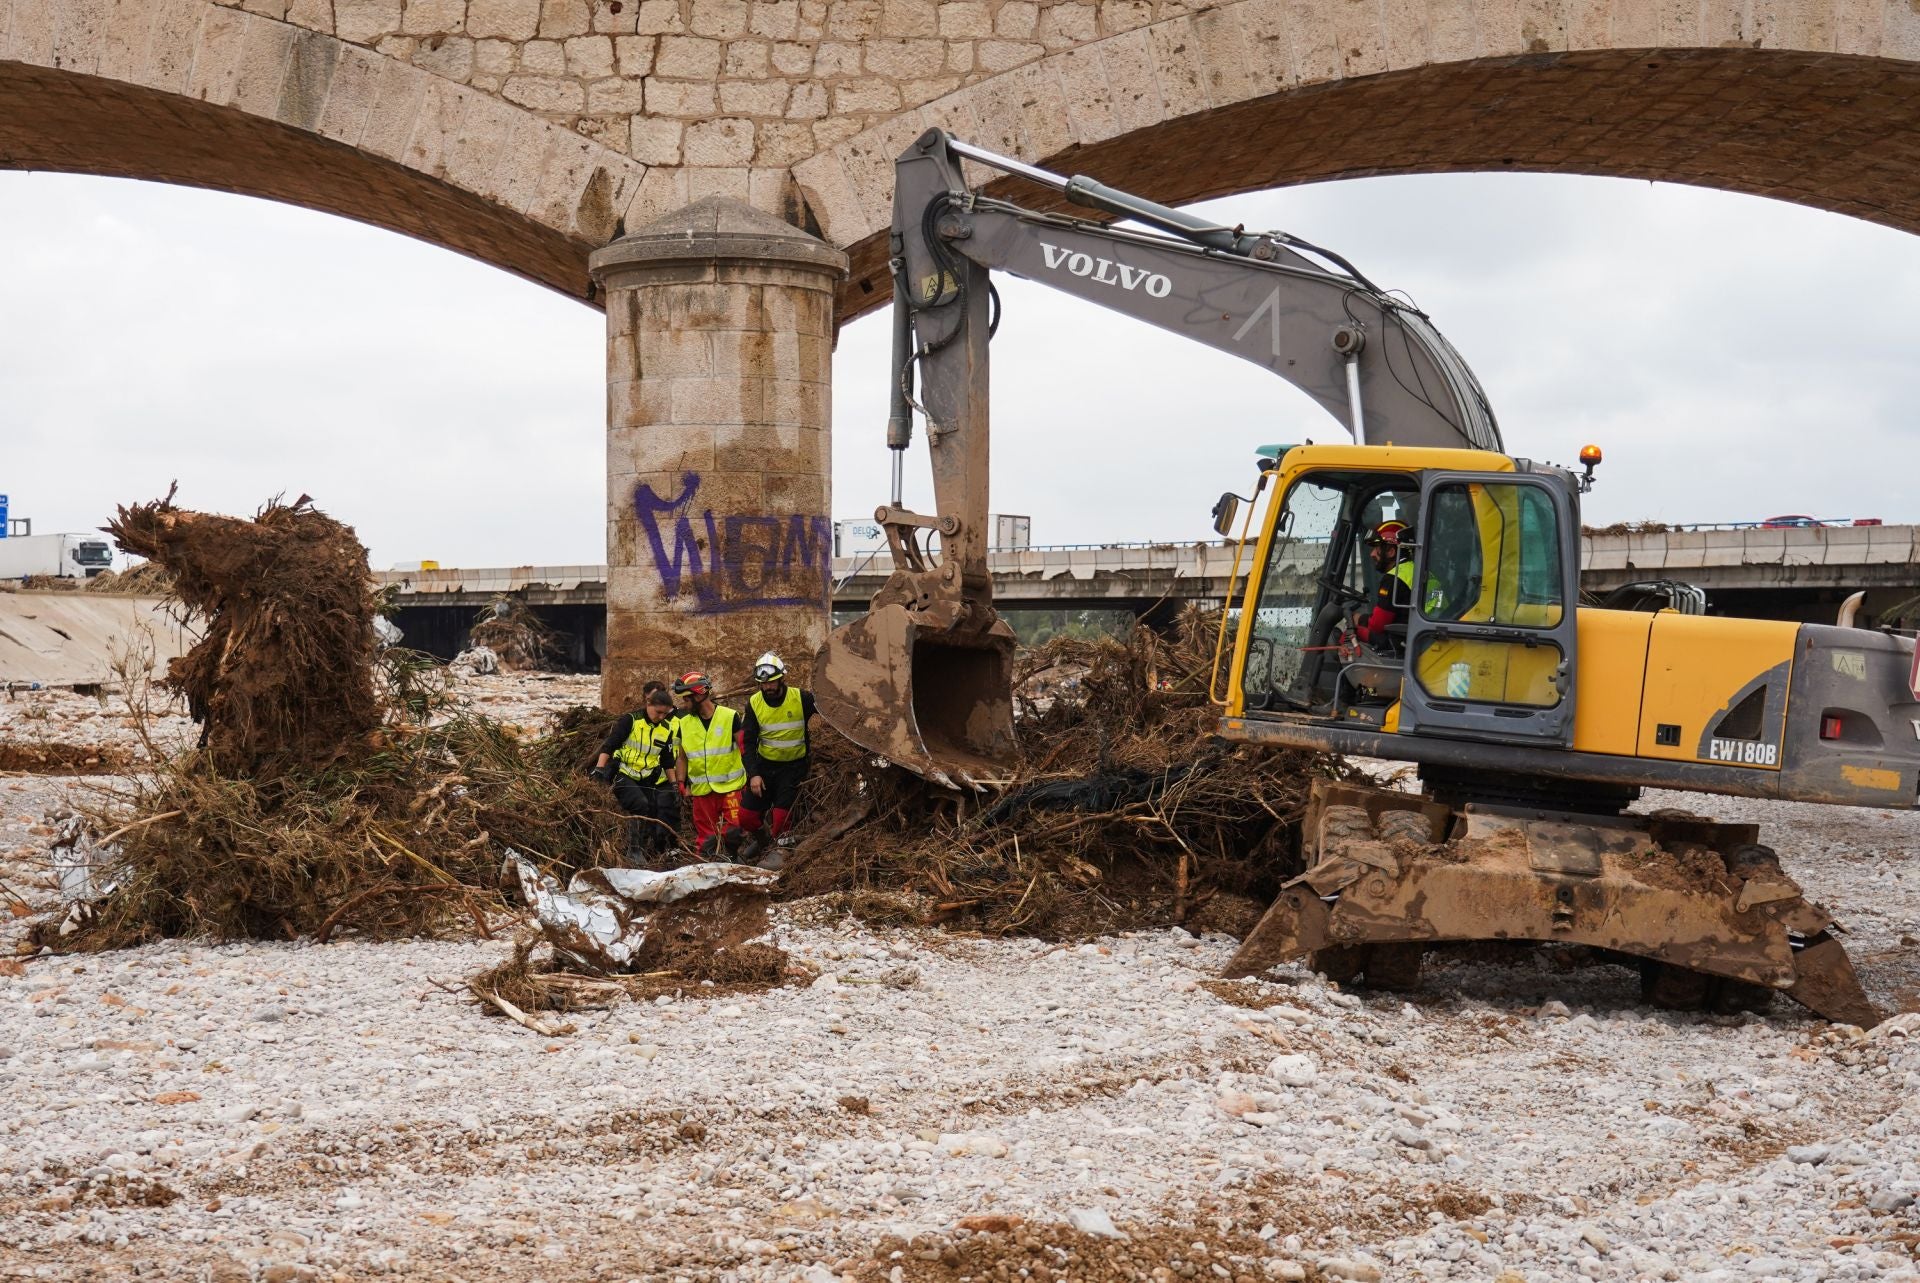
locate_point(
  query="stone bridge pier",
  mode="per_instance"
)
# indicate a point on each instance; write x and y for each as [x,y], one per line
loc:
[720,325]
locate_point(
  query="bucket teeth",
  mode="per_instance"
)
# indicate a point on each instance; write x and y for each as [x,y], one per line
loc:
[1825,984]
[1294,924]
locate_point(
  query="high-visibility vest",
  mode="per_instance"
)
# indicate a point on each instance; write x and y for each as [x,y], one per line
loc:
[783,729]
[713,758]
[640,756]
[1436,595]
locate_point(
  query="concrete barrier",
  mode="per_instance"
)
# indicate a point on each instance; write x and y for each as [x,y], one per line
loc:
[79,639]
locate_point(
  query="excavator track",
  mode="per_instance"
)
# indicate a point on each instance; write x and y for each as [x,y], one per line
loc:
[1703,906]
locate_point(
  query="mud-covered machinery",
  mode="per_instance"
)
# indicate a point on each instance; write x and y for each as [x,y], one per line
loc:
[1705,908]
[1535,722]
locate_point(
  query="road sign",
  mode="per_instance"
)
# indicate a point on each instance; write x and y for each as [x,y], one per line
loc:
[3,517]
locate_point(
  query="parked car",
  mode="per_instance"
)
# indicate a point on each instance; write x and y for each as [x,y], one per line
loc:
[1789,522]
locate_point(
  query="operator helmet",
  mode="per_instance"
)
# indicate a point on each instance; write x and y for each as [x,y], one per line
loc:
[1391,533]
[694,684]
[769,668]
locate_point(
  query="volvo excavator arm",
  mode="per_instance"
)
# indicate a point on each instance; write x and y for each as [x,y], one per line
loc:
[924,678]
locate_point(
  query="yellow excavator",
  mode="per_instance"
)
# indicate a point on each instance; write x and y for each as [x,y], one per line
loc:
[1534,721]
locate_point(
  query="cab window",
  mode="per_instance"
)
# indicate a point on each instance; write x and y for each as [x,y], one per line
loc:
[1290,590]
[1495,550]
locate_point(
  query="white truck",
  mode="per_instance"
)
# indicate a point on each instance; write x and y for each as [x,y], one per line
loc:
[59,556]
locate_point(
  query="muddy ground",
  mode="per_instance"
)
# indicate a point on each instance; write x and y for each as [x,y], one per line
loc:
[937,1107]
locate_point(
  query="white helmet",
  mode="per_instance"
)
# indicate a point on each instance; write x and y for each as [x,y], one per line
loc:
[768,667]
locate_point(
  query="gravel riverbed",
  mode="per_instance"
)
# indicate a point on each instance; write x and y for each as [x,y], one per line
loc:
[946,1108]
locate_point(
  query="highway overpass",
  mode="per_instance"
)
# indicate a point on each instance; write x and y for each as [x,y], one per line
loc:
[1792,573]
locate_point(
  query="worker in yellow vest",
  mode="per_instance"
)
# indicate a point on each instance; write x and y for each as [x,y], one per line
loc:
[709,768]
[774,744]
[637,759]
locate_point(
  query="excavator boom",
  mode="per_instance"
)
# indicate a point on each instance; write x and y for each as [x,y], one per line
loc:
[925,677]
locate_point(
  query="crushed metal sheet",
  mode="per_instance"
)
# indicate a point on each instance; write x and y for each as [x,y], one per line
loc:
[81,865]
[601,920]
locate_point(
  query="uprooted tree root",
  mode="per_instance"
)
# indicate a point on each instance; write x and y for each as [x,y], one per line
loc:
[282,679]
[1124,810]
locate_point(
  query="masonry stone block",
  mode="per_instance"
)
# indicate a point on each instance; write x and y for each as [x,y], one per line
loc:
[754,98]
[365,21]
[909,17]
[433,17]
[545,93]
[562,18]
[450,57]
[684,98]
[688,57]
[617,94]
[723,19]
[506,19]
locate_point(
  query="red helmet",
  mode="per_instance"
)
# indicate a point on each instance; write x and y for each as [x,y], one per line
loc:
[694,684]
[1390,533]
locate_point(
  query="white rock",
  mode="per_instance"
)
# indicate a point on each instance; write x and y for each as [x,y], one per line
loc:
[1411,1137]
[1292,1070]
[1353,1269]
[1091,1220]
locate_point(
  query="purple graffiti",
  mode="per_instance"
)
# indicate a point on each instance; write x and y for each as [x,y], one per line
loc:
[734,562]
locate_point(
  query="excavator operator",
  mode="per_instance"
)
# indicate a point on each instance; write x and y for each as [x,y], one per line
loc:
[1383,546]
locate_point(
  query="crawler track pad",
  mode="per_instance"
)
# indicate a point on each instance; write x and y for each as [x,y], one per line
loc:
[1680,891]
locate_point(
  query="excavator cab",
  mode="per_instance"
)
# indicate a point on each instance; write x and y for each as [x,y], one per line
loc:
[1482,641]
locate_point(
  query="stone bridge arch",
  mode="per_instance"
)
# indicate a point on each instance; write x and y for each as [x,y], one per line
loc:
[267,100]
[1811,101]
[530,132]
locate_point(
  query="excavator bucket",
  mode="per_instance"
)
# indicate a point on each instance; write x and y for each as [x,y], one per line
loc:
[1704,910]
[934,699]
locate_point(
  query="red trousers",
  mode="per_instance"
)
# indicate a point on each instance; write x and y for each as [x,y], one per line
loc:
[714,813]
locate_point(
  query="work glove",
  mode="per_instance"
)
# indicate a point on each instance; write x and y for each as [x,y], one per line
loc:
[604,773]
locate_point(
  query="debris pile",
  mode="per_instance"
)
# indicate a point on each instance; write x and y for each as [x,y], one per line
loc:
[619,933]
[333,790]
[517,638]
[1124,810]
[142,579]
[329,792]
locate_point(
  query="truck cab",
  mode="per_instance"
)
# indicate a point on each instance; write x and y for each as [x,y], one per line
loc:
[68,556]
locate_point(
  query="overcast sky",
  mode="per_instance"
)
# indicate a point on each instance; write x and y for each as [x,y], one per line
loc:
[1737,358]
